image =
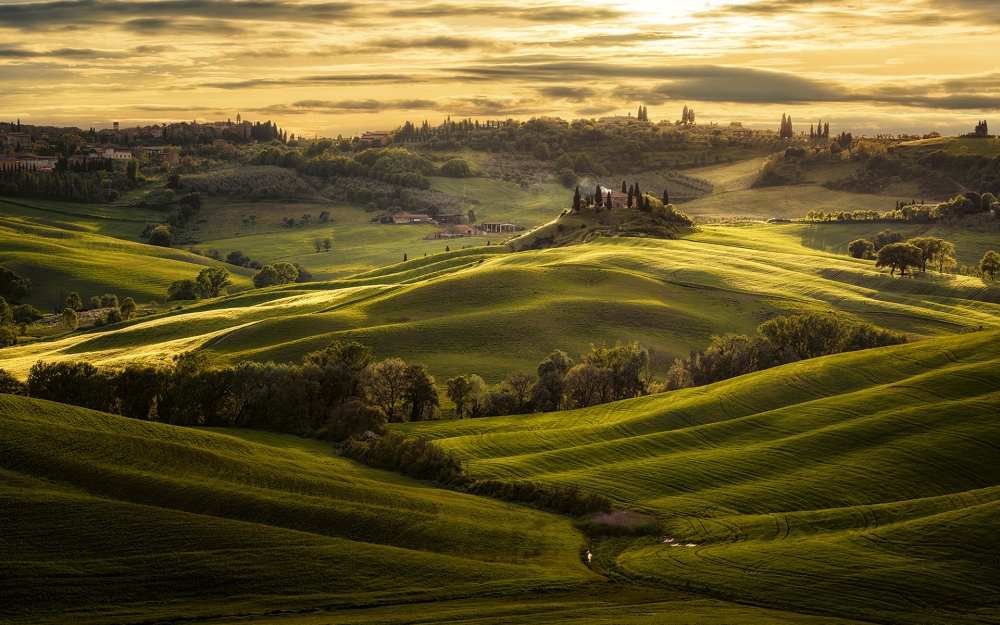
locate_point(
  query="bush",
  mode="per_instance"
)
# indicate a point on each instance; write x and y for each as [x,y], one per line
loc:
[861,248]
[109,300]
[182,290]
[161,236]
[237,258]
[25,313]
[456,168]
[276,274]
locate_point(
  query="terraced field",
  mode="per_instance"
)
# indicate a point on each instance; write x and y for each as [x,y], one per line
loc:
[862,485]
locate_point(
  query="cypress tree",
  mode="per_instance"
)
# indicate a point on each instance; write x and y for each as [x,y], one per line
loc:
[576,199]
[629,204]
[609,200]
[598,194]
[623,187]
[666,197]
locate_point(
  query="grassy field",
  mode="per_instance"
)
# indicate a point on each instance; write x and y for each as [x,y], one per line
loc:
[60,260]
[792,202]
[114,520]
[481,311]
[862,485]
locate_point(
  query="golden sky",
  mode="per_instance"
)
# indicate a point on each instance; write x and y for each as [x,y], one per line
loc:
[339,67]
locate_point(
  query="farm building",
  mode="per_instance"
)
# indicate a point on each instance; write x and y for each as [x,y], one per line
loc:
[455,231]
[410,218]
[498,226]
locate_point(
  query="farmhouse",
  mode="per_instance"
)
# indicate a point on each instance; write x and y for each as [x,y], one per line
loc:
[618,199]
[382,136]
[498,226]
[454,231]
[410,218]
[118,154]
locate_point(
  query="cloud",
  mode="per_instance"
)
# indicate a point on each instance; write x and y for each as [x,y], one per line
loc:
[54,14]
[573,94]
[63,53]
[550,13]
[439,43]
[346,106]
[344,79]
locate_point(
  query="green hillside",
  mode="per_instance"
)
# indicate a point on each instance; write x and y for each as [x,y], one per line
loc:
[481,311]
[862,484]
[59,260]
[114,520]
[196,520]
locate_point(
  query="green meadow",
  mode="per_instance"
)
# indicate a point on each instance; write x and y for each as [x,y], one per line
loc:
[861,487]
[863,484]
[488,312]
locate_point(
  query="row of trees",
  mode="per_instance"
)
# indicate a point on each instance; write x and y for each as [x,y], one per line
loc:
[778,341]
[959,206]
[337,392]
[890,251]
[559,383]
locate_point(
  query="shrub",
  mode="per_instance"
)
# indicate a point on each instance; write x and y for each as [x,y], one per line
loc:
[237,258]
[25,313]
[182,290]
[861,248]
[276,274]
[456,168]
[161,236]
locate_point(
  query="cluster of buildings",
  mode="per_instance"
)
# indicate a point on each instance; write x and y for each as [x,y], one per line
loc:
[454,230]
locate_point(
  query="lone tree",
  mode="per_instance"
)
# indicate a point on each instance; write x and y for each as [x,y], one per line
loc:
[70,319]
[458,392]
[862,248]
[213,282]
[128,308]
[990,265]
[73,301]
[899,256]
[666,197]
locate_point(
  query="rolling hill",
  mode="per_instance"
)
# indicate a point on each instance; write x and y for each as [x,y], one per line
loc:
[483,311]
[111,520]
[862,485]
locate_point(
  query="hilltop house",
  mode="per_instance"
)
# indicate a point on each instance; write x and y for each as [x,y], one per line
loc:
[410,218]
[455,231]
[618,199]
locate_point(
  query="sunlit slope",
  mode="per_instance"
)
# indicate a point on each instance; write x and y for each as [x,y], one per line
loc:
[59,261]
[107,516]
[490,313]
[863,484]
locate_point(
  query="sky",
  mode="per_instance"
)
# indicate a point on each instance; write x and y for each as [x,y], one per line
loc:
[327,68]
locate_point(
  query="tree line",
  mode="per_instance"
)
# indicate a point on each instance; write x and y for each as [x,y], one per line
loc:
[778,341]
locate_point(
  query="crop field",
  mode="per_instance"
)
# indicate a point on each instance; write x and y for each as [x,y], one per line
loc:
[105,516]
[479,311]
[862,484]
[108,519]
